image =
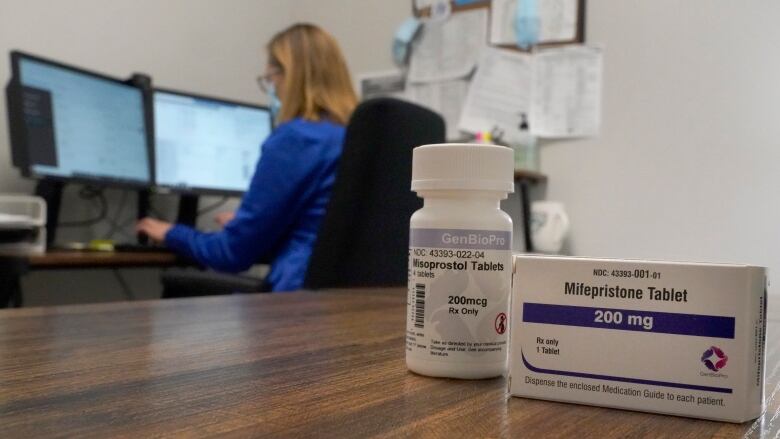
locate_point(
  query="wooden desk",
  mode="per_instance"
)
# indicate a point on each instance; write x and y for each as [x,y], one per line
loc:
[327,364]
[60,259]
[12,268]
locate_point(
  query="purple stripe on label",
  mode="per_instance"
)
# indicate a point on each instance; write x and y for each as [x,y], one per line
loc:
[461,238]
[623,379]
[630,320]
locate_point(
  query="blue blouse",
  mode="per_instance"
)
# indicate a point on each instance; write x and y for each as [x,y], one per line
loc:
[280,213]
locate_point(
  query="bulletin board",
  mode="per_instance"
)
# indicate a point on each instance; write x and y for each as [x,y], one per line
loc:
[578,38]
[426,12]
[551,89]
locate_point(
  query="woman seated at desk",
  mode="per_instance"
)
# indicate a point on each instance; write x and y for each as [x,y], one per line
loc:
[312,98]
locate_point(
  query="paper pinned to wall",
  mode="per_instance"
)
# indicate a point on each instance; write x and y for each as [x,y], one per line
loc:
[390,83]
[566,98]
[557,20]
[499,94]
[443,97]
[449,49]
[422,4]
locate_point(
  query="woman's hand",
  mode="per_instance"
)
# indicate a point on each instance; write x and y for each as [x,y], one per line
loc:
[223,218]
[153,228]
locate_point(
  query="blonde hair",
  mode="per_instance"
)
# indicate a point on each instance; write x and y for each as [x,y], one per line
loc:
[316,83]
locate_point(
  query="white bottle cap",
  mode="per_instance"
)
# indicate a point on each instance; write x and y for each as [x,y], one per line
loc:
[461,166]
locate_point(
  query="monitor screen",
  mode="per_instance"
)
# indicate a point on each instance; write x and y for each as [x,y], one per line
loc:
[206,144]
[81,125]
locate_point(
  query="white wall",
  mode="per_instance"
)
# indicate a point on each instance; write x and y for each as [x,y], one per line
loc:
[363,28]
[211,47]
[204,46]
[686,164]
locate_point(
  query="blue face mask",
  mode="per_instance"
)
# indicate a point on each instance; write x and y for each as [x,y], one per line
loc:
[275,104]
[527,23]
[404,36]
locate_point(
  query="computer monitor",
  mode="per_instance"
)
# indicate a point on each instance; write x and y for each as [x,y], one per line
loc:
[206,145]
[74,124]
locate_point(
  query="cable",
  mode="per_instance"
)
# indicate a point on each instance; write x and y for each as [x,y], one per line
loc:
[89,193]
[115,226]
[213,206]
[123,284]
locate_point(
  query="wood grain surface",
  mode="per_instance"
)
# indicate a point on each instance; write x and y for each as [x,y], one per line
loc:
[326,364]
[86,259]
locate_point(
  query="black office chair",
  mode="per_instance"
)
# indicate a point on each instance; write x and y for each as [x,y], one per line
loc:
[364,237]
[191,282]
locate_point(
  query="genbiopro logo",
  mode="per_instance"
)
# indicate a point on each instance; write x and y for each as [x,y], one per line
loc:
[714,358]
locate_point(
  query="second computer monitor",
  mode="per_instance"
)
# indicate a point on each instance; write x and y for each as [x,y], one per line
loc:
[206,145]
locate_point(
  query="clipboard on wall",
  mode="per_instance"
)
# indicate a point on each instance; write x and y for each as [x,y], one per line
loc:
[562,22]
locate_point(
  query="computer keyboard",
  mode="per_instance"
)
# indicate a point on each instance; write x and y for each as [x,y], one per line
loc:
[139,248]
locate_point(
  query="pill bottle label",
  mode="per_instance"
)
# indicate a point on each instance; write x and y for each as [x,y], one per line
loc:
[459,283]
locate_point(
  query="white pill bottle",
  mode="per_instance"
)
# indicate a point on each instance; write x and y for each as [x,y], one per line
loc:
[460,261]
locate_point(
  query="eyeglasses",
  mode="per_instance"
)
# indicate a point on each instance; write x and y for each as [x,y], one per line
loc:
[265,81]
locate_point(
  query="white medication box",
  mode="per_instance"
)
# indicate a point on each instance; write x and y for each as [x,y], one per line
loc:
[684,339]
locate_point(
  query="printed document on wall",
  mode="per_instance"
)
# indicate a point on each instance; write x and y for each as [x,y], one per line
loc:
[566,96]
[390,83]
[499,94]
[557,20]
[422,4]
[449,49]
[443,97]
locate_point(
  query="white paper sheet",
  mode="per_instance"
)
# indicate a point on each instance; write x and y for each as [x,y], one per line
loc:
[449,49]
[444,97]
[499,93]
[421,4]
[557,21]
[390,83]
[566,98]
